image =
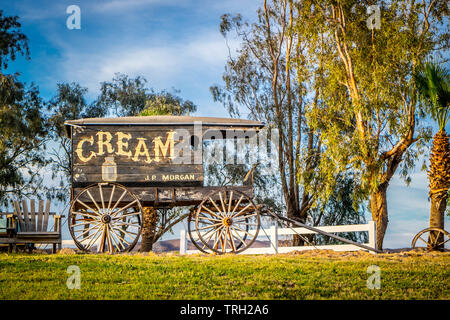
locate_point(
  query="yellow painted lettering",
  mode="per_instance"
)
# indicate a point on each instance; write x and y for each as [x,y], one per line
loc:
[104,139]
[122,145]
[141,150]
[79,149]
[165,150]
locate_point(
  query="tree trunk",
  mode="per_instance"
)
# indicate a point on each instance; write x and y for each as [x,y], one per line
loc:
[439,177]
[437,212]
[150,217]
[294,212]
[379,209]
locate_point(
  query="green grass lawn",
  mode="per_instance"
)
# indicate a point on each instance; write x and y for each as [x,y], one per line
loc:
[322,275]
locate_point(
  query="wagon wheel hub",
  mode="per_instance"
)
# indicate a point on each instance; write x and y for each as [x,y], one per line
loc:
[227,221]
[106,218]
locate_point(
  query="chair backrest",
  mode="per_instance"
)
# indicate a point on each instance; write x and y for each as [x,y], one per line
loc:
[30,220]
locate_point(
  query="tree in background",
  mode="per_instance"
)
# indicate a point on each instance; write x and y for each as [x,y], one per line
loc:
[368,122]
[23,128]
[69,103]
[433,85]
[124,96]
[266,79]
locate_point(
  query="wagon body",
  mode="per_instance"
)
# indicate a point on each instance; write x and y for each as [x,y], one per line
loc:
[155,161]
[139,153]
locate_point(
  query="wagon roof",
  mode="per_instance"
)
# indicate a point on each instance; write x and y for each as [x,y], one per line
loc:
[166,121]
[163,120]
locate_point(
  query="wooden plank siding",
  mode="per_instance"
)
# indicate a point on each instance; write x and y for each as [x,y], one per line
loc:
[140,155]
[166,196]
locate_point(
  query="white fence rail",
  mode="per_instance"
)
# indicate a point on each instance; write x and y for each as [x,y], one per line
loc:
[274,233]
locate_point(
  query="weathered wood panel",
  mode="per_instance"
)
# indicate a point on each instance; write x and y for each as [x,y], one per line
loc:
[150,196]
[133,155]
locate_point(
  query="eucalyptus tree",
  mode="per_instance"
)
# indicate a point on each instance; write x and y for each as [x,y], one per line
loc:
[433,85]
[369,120]
[23,126]
[266,79]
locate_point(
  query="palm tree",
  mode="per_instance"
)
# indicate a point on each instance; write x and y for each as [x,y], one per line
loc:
[432,82]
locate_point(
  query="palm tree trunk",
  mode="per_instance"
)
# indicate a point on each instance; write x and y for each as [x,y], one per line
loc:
[439,177]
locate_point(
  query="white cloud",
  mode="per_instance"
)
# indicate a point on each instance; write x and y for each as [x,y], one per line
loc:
[166,64]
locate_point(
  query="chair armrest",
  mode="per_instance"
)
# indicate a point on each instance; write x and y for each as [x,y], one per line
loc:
[11,225]
[57,227]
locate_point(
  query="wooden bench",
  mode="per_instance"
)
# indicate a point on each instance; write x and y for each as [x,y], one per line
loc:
[28,226]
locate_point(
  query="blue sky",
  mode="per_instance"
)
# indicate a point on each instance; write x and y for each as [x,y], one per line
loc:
[172,43]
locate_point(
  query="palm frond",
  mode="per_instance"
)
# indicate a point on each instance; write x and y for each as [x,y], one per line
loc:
[432,82]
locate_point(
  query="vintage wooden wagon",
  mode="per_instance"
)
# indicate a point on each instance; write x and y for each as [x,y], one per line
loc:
[120,165]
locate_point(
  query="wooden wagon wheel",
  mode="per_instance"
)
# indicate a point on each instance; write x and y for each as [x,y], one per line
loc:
[107,215]
[192,230]
[433,238]
[227,221]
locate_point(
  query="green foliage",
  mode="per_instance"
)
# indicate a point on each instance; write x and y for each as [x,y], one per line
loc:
[433,84]
[124,96]
[266,79]
[276,277]
[12,40]
[23,127]
[368,117]
[166,103]
[340,209]
[23,130]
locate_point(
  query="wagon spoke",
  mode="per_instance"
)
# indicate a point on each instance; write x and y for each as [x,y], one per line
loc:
[114,214]
[230,201]
[210,226]
[247,216]
[210,211]
[95,202]
[111,197]
[85,231]
[218,236]
[443,242]
[91,235]
[209,219]
[108,240]
[94,239]
[243,231]
[127,215]
[237,205]
[84,223]
[86,215]
[233,246]
[89,208]
[129,233]
[118,236]
[215,205]
[223,205]
[101,248]
[101,197]
[242,211]
[237,234]
[118,242]
[423,240]
[118,201]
